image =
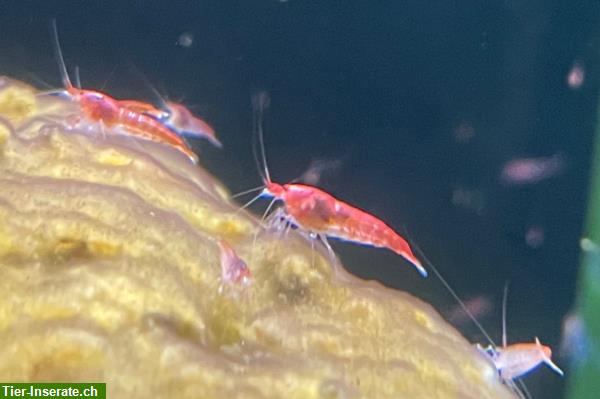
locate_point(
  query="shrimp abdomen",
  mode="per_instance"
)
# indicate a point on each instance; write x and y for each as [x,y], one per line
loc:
[318,211]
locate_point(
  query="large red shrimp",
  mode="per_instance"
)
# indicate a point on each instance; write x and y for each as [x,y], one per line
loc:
[100,107]
[322,215]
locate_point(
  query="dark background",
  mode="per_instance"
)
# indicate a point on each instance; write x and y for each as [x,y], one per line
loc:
[422,102]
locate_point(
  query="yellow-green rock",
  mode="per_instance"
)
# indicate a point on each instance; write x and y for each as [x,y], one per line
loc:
[110,272]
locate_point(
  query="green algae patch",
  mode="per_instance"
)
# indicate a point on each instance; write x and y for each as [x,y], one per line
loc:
[110,272]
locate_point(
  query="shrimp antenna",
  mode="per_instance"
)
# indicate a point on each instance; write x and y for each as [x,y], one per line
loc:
[39,80]
[247,204]
[77,78]
[59,56]
[109,77]
[250,190]
[452,292]
[260,103]
[161,98]
[521,389]
[504,296]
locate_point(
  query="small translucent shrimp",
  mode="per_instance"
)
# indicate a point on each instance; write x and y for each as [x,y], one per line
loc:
[515,360]
[234,271]
[321,215]
[510,361]
[100,107]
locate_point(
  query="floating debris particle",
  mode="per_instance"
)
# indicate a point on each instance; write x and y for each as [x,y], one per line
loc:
[521,171]
[576,76]
[186,39]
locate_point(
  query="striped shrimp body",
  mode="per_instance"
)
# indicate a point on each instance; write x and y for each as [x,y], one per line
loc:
[110,112]
[318,212]
[516,360]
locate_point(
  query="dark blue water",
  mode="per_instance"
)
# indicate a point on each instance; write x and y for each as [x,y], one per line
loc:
[422,103]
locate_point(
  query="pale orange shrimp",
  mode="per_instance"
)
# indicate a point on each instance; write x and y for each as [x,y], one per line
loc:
[510,361]
[321,215]
[515,360]
[234,271]
[100,107]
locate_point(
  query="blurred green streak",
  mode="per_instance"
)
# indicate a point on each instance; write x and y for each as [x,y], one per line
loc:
[584,379]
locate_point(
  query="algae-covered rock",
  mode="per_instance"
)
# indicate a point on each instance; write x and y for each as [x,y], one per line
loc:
[110,272]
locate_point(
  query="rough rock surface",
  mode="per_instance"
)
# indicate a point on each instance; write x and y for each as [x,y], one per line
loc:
[110,272]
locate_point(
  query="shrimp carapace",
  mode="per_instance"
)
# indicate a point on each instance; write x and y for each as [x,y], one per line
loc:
[319,212]
[110,112]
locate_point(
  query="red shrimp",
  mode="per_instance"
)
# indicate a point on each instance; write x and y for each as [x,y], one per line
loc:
[320,214]
[100,107]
